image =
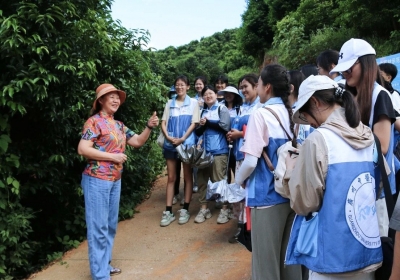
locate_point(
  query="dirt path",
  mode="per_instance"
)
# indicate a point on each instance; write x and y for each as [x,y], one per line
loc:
[144,250]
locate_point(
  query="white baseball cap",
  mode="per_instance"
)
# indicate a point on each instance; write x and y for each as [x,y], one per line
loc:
[229,89]
[307,89]
[350,52]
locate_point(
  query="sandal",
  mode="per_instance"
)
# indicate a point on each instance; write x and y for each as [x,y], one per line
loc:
[115,271]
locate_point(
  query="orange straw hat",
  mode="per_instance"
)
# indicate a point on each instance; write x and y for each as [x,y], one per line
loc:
[107,88]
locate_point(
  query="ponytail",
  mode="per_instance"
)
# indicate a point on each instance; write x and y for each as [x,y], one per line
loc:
[278,77]
[346,100]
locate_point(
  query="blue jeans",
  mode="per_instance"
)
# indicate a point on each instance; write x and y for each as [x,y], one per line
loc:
[101,212]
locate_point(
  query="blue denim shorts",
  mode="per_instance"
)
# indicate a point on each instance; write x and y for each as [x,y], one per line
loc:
[170,154]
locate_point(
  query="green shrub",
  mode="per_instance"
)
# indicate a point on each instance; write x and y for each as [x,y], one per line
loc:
[52,57]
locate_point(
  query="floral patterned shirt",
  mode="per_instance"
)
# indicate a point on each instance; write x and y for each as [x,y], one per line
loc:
[109,136]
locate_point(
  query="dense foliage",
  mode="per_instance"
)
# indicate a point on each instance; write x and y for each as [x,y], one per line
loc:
[210,57]
[53,54]
[290,32]
[319,25]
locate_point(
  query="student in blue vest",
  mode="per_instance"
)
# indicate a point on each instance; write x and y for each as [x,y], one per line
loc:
[181,114]
[213,126]
[232,101]
[248,86]
[199,83]
[172,94]
[357,63]
[332,187]
[271,215]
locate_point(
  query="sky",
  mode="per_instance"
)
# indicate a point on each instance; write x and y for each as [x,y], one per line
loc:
[178,22]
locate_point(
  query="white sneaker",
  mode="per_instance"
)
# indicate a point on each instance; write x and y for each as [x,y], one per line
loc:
[202,215]
[167,218]
[223,216]
[176,199]
[184,216]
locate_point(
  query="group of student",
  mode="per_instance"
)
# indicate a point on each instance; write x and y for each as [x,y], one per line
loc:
[330,223]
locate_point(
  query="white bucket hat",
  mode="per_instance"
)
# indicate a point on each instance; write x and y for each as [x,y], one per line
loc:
[229,89]
[307,89]
[350,52]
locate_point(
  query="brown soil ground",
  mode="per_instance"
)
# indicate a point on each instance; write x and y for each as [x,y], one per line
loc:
[144,250]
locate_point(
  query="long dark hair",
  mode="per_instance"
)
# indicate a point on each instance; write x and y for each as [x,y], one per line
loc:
[369,75]
[296,78]
[337,96]
[277,76]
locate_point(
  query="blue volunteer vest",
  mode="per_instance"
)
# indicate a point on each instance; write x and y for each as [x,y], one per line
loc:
[260,185]
[304,131]
[346,237]
[180,118]
[245,112]
[214,140]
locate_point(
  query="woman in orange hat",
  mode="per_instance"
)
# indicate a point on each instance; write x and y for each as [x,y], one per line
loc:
[103,144]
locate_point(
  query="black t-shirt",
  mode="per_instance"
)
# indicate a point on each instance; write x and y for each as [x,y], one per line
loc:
[383,106]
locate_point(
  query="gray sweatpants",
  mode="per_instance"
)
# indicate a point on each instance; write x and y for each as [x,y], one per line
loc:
[270,231]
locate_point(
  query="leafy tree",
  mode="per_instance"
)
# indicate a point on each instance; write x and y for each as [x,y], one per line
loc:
[318,25]
[256,34]
[208,57]
[369,17]
[52,57]
[278,9]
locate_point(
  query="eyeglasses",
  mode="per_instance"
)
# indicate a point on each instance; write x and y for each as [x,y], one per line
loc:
[350,70]
[302,117]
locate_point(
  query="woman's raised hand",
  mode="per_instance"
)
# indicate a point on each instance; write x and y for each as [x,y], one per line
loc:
[153,121]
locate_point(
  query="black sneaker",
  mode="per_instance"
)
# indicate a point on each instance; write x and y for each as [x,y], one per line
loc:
[115,271]
[233,239]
